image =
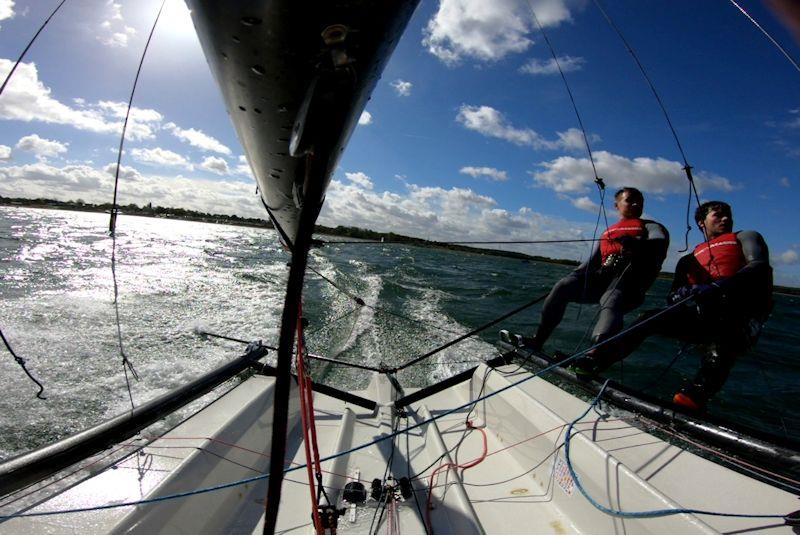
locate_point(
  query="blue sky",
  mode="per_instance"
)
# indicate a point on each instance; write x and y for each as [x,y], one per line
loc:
[470,134]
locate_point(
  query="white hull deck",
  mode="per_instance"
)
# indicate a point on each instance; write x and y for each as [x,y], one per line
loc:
[522,485]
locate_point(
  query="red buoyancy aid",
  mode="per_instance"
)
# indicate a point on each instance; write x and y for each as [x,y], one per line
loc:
[625,227]
[723,261]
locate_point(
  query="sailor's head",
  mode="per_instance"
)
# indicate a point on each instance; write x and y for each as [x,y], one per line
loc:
[629,202]
[714,218]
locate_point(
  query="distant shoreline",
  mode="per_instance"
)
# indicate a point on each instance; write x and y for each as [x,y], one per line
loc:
[340,231]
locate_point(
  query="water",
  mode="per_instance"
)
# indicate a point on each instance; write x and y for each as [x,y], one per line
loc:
[177,277]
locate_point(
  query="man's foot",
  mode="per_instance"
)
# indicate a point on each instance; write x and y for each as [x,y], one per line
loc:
[531,343]
[684,401]
[520,340]
[584,368]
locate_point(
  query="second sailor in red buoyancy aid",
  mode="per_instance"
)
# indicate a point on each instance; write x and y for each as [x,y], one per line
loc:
[731,280]
[617,275]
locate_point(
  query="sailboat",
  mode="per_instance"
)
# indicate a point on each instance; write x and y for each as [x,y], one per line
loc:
[494,449]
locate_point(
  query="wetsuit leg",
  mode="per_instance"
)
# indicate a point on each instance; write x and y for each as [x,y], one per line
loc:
[617,300]
[571,289]
[714,370]
[681,323]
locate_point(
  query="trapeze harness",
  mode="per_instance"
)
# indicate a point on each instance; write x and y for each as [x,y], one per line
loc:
[719,258]
[611,250]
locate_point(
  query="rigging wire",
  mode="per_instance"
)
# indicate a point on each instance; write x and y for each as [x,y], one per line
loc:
[471,242]
[127,365]
[687,168]
[392,435]
[30,43]
[597,180]
[21,362]
[768,36]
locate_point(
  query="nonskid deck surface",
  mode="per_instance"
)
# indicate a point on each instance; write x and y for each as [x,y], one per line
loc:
[521,485]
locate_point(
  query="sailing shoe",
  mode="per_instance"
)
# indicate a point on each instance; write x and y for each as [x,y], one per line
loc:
[584,368]
[682,400]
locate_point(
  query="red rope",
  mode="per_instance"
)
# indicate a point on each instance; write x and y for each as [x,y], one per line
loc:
[466,466]
[306,405]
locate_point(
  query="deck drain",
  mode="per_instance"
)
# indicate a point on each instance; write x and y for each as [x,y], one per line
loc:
[519,492]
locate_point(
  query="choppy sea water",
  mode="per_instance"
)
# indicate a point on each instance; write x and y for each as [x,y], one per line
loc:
[178,277]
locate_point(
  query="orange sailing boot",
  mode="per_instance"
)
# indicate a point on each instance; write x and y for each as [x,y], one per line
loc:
[682,400]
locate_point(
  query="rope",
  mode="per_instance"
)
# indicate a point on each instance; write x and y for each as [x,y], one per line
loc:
[30,43]
[307,420]
[309,355]
[774,42]
[473,242]
[114,209]
[21,362]
[127,365]
[686,167]
[471,333]
[601,187]
[364,445]
[466,466]
[656,513]
[328,458]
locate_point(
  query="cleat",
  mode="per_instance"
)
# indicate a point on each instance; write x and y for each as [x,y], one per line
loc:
[505,336]
[682,400]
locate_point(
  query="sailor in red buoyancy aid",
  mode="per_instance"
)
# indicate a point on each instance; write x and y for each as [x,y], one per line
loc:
[616,276]
[730,280]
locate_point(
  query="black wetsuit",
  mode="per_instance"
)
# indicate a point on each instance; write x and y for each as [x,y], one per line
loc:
[725,318]
[618,288]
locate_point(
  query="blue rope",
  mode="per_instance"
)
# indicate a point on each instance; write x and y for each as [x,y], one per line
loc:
[656,513]
[392,436]
[293,468]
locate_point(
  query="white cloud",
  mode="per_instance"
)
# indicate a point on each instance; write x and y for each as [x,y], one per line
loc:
[487,30]
[27,99]
[492,123]
[567,63]
[159,156]
[215,164]
[44,180]
[453,214]
[402,87]
[117,39]
[6,9]
[243,167]
[126,173]
[40,147]
[113,31]
[198,138]
[487,172]
[567,174]
[365,119]
[785,182]
[5,152]
[97,185]
[789,257]
[360,179]
[585,203]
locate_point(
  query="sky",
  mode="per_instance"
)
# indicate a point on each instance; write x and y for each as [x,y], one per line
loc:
[470,134]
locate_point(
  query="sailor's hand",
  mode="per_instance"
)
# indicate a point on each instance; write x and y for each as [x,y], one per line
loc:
[705,291]
[680,294]
[699,291]
[630,244]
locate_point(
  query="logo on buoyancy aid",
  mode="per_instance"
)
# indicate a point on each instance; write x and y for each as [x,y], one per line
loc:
[720,258]
[626,227]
